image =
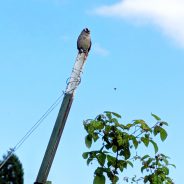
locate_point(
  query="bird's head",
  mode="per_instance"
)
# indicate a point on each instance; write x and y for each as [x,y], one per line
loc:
[86,30]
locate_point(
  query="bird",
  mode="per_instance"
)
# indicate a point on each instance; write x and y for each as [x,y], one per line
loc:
[84,42]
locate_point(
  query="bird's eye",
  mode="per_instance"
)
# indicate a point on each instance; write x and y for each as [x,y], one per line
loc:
[86,30]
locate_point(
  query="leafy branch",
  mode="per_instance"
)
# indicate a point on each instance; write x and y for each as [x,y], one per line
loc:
[118,140]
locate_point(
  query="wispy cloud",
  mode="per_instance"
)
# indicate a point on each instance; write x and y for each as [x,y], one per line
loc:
[168,15]
[98,49]
[65,38]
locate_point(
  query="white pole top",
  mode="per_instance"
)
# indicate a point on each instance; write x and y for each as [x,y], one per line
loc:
[75,78]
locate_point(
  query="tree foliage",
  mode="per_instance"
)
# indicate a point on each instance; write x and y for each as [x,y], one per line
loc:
[12,171]
[119,143]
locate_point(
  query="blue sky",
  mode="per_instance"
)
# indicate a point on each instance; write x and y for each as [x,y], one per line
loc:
[138,48]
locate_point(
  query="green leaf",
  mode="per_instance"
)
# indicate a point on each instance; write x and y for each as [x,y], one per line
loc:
[145,127]
[98,125]
[99,171]
[120,140]
[154,145]
[88,141]
[145,141]
[128,126]
[149,161]
[90,128]
[105,152]
[107,128]
[142,168]
[121,168]
[156,130]
[144,157]
[101,158]
[135,142]
[108,146]
[85,155]
[146,178]
[130,163]
[89,160]
[111,160]
[164,156]
[108,114]
[165,170]
[114,148]
[163,134]
[121,165]
[156,117]
[165,161]
[143,124]
[115,122]
[164,123]
[116,114]
[126,153]
[172,165]
[115,179]
[95,137]
[99,179]
[162,177]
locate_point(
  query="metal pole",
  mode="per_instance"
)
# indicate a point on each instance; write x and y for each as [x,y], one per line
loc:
[49,182]
[61,120]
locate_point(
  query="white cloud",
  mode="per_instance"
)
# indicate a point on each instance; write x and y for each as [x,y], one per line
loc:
[98,49]
[168,15]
